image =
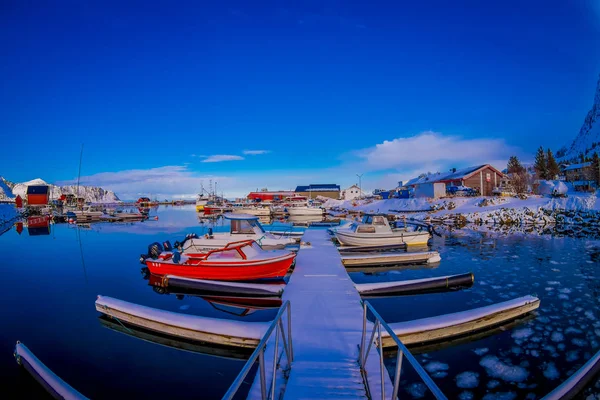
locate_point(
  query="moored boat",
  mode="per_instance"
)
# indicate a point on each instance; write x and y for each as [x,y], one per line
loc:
[375,230]
[238,261]
[242,227]
[306,211]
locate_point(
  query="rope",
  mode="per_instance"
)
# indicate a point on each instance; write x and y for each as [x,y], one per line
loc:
[118,320]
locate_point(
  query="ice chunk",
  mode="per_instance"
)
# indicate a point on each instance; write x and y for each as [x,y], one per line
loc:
[467,380]
[417,390]
[570,330]
[466,395]
[551,372]
[565,290]
[500,396]
[484,350]
[522,333]
[439,374]
[572,355]
[493,384]
[436,366]
[498,369]
[579,342]
[557,337]
[563,297]
[590,315]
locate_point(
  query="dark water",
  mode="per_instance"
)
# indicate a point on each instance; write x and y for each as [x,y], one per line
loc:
[47,302]
[51,283]
[524,361]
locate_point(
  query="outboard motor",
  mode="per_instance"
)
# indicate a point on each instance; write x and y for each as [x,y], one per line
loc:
[154,250]
[143,258]
[167,246]
[210,232]
[176,256]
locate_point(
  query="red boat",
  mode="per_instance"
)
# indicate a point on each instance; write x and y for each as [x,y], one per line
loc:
[238,261]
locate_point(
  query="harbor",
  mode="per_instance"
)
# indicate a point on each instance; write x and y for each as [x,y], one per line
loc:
[325,298]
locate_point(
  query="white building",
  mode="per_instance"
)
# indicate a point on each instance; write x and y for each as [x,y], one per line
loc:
[353,192]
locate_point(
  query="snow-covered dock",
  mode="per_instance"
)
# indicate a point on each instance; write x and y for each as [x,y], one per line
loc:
[390,258]
[326,329]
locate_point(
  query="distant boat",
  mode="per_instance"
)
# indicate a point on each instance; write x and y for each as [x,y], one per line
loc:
[242,261]
[305,211]
[263,211]
[375,230]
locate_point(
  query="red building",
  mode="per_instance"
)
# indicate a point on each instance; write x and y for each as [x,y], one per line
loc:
[38,195]
[269,196]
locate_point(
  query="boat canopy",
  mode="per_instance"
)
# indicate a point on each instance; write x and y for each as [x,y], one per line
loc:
[245,224]
[375,219]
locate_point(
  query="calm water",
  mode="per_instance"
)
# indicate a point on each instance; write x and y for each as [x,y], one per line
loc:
[53,281]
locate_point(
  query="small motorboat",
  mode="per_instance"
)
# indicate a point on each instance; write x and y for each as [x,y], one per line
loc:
[375,230]
[306,211]
[237,261]
[242,227]
[258,211]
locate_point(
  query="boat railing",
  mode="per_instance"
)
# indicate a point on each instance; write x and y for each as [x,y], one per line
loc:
[403,352]
[276,326]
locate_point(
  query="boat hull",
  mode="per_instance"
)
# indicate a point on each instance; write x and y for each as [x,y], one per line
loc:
[249,270]
[305,211]
[386,239]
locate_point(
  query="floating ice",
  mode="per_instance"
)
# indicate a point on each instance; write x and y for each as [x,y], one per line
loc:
[517,350]
[553,283]
[557,337]
[535,353]
[467,380]
[484,350]
[561,347]
[572,355]
[563,297]
[497,369]
[570,330]
[551,372]
[439,374]
[493,384]
[466,395]
[417,390]
[500,396]
[579,342]
[522,333]
[565,290]
[590,315]
[436,366]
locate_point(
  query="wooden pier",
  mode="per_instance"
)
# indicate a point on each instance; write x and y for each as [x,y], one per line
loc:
[327,319]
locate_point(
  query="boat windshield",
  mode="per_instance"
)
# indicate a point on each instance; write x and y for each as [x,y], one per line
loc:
[242,226]
[252,251]
[225,254]
[367,219]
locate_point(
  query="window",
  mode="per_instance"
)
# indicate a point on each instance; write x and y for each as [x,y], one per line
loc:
[242,227]
[378,221]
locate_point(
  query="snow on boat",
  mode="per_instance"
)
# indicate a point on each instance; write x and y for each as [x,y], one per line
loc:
[221,287]
[446,326]
[243,227]
[204,329]
[390,258]
[375,230]
[58,388]
[414,286]
[237,261]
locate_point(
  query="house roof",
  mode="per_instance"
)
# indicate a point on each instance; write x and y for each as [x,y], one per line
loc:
[449,176]
[353,186]
[577,166]
[328,187]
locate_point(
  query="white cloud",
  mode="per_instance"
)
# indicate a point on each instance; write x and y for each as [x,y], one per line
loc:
[432,149]
[255,152]
[222,157]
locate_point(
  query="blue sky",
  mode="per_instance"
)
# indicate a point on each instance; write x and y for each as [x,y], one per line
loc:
[315,91]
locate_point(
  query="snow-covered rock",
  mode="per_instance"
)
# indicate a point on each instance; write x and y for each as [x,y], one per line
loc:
[552,187]
[90,193]
[6,193]
[588,139]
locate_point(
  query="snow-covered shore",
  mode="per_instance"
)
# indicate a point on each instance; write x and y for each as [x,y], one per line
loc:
[578,208]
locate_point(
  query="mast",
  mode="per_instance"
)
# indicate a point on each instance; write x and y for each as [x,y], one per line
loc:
[79,175]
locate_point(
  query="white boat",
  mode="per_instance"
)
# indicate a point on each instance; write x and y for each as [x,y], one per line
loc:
[306,210]
[243,227]
[87,212]
[201,202]
[375,230]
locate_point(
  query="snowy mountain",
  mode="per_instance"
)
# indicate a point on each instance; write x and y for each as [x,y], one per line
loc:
[90,193]
[5,190]
[588,139]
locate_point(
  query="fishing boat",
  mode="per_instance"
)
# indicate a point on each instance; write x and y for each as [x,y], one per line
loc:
[242,227]
[238,261]
[86,212]
[200,203]
[264,211]
[375,229]
[306,211]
